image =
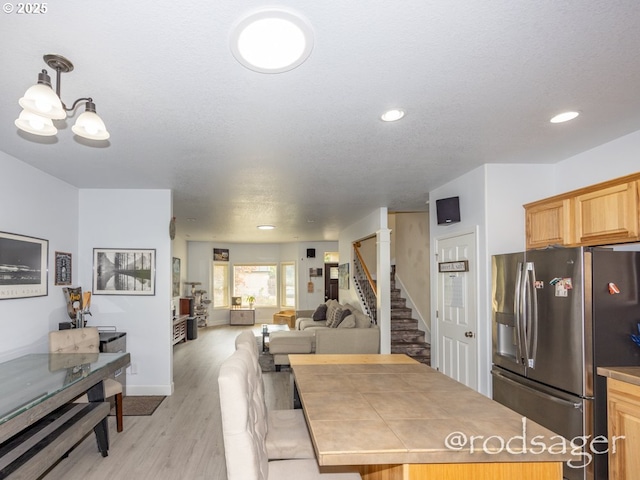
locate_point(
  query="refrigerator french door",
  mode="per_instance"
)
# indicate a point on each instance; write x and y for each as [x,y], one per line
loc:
[555,318]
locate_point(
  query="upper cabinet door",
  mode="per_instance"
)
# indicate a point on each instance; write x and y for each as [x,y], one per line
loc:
[601,214]
[607,215]
[548,223]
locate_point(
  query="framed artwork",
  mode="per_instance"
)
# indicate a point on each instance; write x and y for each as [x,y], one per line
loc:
[175,276]
[124,272]
[343,276]
[221,254]
[23,266]
[236,302]
[62,268]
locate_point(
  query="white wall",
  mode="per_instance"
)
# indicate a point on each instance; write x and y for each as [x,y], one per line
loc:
[200,261]
[132,219]
[373,224]
[412,257]
[491,199]
[611,160]
[471,188]
[38,205]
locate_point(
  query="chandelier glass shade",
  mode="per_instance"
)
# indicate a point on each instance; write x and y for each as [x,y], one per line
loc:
[41,104]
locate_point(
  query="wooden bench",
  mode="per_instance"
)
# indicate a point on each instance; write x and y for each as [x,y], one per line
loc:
[31,452]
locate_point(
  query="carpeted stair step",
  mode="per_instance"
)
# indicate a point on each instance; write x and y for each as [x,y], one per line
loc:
[401,313]
[412,349]
[404,324]
[406,336]
[425,360]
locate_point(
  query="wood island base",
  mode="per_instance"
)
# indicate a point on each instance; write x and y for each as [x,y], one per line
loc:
[455,471]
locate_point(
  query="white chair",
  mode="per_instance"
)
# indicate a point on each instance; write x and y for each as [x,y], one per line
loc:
[242,427]
[287,435]
[87,340]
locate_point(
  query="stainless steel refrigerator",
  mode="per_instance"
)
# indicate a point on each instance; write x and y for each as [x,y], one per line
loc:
[557,314]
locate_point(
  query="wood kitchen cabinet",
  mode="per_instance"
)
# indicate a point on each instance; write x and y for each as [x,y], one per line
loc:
[607,215]
[549,223]
[602,214]
[623,407]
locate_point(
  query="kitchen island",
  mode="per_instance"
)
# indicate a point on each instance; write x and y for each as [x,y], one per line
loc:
[399,420]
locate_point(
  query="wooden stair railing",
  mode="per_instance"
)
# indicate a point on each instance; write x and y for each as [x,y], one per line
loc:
[365,285]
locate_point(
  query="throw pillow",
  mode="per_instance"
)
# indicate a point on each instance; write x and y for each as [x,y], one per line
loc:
[333,315]
[331,309]
[340,317]
[348,322]
[362,320]
[320,313]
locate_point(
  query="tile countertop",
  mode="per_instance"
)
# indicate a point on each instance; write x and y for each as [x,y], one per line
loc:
[410,413]
[624,374]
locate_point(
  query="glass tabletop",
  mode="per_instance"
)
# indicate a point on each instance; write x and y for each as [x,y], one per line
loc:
[31,379]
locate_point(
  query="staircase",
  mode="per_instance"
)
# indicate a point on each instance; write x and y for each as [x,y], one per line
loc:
[405,336]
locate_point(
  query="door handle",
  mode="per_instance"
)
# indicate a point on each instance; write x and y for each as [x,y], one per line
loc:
[469,334]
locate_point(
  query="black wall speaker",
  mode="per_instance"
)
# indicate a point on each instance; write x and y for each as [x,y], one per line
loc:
[448,210]
[311,253]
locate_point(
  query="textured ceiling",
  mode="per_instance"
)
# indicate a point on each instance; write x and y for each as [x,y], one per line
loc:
[305,150]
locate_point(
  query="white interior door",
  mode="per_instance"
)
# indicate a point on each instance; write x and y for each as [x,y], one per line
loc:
[457,311]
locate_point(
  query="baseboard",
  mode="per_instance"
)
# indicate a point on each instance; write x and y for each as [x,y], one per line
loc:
[135,390]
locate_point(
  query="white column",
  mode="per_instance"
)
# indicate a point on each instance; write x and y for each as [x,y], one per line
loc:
[383,283]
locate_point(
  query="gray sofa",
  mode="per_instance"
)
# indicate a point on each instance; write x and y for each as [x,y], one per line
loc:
[340,329]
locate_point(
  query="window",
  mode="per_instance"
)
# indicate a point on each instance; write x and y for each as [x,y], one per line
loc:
[259,281]
[221,285]
[288,285]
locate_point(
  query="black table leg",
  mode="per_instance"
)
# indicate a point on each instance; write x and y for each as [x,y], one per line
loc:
[96,394]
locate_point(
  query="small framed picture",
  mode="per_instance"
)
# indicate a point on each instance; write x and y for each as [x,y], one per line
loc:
[23,266]
[175,277]
[124,271]
[221,254]
[63,268]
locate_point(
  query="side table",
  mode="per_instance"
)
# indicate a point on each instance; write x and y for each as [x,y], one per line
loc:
[242,316]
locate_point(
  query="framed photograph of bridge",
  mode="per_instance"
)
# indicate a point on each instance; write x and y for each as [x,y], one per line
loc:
[124,271]
[23,266]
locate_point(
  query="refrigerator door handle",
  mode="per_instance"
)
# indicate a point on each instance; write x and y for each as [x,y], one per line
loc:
[517,308]
[531,331]
[555,399]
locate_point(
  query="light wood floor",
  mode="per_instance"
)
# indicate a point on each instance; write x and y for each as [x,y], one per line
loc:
[182,440]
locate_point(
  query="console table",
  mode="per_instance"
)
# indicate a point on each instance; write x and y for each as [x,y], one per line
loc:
[242,316]
[38,425]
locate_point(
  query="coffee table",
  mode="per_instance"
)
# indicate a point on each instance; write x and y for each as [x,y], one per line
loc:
[270,328]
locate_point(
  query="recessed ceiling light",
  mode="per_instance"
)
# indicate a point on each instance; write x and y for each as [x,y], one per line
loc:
[266,227]
[392,115]
[272,41]
[564,117]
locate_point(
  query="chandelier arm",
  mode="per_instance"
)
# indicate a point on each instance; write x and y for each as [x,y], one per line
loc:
[58,86]
[75,104]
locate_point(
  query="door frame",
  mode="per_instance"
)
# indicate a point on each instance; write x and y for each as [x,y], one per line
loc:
[480,329]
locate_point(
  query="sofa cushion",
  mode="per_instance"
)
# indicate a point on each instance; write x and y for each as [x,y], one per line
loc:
[304,323]
[348,322]
[331,308]
[340,318]
[362,320]
[320,313]
[336,317]
[292,342]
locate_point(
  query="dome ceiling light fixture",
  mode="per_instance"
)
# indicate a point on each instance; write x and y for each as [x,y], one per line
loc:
[392,115]
[272,41]
[42,105]
[564,117]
